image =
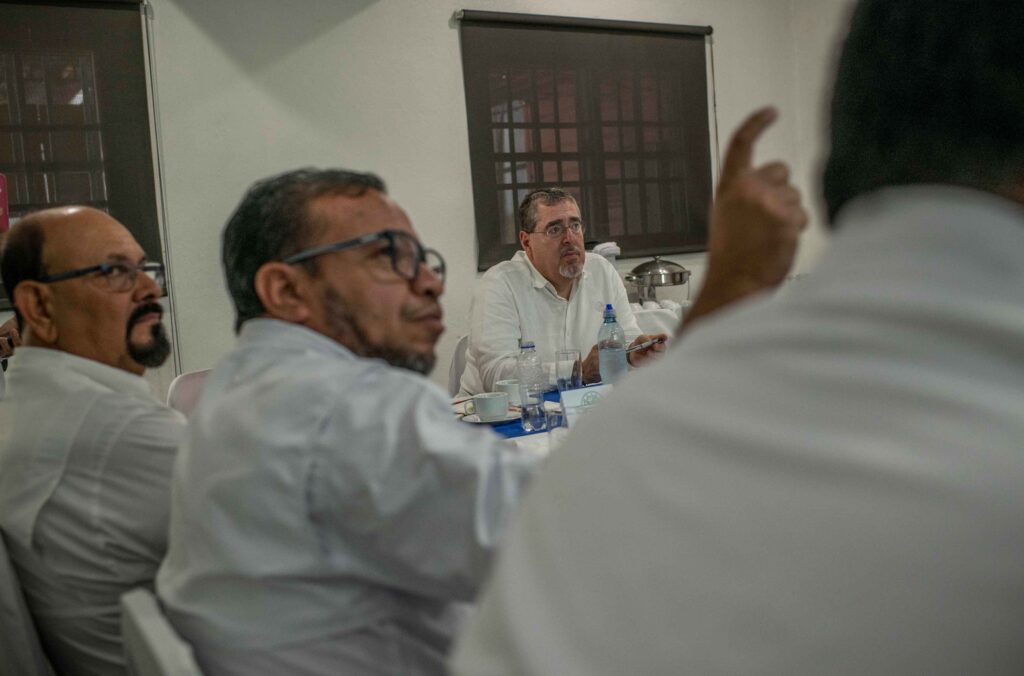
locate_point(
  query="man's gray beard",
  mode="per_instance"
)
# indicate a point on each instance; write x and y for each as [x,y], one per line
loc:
[154,353]
[340,322]
[570,270]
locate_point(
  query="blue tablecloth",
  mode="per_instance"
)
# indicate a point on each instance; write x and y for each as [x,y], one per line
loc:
[514,428]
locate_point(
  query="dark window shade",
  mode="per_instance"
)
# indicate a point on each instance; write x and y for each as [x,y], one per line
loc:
[74,116]
[615,113]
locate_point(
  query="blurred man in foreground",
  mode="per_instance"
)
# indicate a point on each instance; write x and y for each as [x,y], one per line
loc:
[85,448]
[831,482]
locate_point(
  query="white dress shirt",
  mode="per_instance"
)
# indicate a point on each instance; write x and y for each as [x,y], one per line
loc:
[86,453]
[327,510]
[828,482]
[514,301]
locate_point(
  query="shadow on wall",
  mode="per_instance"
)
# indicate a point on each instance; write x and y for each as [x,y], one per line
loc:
[256,33]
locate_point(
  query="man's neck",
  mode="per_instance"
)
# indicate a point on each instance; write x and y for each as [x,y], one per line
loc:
[564,287]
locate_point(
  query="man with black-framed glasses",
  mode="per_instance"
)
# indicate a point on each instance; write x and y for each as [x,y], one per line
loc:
[327,508]
[86,449]
[551,292]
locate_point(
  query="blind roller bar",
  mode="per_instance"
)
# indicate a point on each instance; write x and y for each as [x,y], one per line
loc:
[94,4]
[479,16]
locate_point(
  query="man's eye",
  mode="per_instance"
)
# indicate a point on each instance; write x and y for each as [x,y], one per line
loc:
[117,270]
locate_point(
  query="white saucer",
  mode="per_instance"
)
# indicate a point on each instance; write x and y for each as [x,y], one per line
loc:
[475,419]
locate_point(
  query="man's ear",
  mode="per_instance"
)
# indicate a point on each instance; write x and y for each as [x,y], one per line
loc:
[284,291]
[524,240]
[34,301]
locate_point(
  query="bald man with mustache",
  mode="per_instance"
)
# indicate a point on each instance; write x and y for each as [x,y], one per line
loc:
[85,447]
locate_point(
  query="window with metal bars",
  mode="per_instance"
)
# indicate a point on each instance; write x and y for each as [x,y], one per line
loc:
[74,116]
[614,112]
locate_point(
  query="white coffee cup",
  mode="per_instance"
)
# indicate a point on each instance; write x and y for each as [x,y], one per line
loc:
[488,406]
[510,387]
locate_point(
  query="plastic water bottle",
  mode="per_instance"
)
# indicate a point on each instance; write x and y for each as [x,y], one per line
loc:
[611,348]
[533,382]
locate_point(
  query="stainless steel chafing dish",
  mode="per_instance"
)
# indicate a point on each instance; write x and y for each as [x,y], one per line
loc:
[654,273]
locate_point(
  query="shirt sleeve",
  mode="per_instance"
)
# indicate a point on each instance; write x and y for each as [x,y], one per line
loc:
[412,497]
[134,494]
[495,331]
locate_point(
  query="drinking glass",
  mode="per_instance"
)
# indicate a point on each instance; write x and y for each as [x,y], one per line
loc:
[568,370]
[557,429]
[531,408]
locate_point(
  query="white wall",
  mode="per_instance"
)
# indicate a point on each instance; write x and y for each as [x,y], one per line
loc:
[249,88]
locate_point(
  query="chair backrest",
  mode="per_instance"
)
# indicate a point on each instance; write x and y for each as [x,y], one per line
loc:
[184,390]
[22,654]
[458,365]
[151,646]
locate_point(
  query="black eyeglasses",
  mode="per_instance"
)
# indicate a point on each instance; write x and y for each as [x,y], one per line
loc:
[556,231]
[406,254]
[119,276]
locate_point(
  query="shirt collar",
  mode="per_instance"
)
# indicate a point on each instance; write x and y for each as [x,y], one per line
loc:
[539,280]
[58,361]
[286,335]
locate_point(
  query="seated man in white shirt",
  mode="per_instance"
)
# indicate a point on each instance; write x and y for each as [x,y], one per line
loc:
[551,292]
[830,482]
[327,507]
[85,448]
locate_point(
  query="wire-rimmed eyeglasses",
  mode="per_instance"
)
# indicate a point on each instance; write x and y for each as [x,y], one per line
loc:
[405,252]
[119,275]
[557,230]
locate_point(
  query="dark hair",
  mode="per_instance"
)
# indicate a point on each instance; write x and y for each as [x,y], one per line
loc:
[273,222]
[928,93]
[547,197]
[21,257]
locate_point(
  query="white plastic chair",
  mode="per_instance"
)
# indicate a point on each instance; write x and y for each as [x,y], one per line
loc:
[184,391]
[458,365]
[20,651]
[151,646]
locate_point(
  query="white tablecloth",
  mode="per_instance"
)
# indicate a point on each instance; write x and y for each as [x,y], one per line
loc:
[659,320]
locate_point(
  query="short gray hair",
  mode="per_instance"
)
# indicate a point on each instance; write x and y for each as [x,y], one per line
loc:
[546,196]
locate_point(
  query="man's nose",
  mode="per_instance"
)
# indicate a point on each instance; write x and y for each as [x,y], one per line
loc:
[146,287]
[427,282]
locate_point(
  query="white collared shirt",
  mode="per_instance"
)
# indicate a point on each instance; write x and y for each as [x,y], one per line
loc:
[827,482]
[86,452]
[327,510]
[514,301]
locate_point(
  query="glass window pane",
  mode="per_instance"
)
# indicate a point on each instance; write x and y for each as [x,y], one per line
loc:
[630,169]
[497,81]
[7,152]
[610,139]
[650,168]
[613,193]
[503,172]
[74,186]
[648,98]
[37,147]
[570,171]
[545,95]
[501,141]
[506,214]
[547,141]
[568,138]
[551,172]
[567,96]
[628,139]
[633,217]
[609,106]
[650,139]
[653,196]
[612,169]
